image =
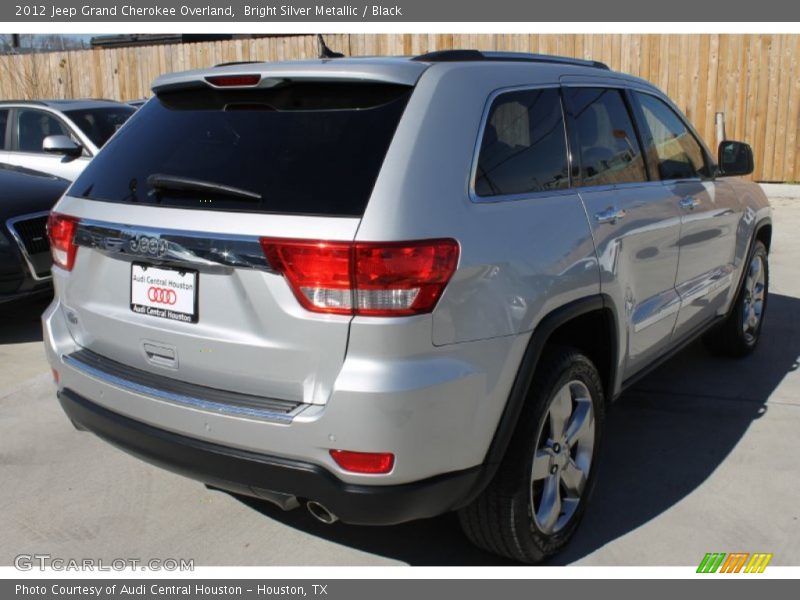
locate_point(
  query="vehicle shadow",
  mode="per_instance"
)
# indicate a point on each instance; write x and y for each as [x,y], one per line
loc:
[20,321]
[663,438]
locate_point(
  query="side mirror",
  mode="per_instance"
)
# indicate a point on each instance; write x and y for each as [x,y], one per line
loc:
[61,144]
[735,158]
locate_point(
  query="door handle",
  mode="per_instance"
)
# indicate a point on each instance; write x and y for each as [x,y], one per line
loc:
[690,202]
[610,215]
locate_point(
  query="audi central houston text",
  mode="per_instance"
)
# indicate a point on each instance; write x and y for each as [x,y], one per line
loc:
[154,589]
[389,288]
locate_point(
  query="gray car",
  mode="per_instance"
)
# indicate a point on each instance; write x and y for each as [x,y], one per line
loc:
[388,288]
[59,137]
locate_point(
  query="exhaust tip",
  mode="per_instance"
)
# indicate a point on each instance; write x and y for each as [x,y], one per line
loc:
[320,513]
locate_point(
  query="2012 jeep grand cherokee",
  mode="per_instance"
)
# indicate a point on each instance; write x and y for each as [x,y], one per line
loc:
[392,287]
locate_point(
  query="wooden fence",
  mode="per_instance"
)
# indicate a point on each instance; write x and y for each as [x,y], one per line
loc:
[753,79]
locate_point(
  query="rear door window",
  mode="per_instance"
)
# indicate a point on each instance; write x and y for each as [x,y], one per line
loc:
[296,148]
[604,139]
[680,155]
[35,125]
[523,148]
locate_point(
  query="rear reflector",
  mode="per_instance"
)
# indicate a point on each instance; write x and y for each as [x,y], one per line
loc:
[365,278]
[234,80]
[61,231]
[364,462]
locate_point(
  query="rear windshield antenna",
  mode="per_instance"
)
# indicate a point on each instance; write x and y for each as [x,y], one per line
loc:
[324,51]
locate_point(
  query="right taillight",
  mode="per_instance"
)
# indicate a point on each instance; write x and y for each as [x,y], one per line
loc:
[61,232]
[365,278]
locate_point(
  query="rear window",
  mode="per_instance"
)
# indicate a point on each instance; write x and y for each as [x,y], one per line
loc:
[99,124]
[298,148]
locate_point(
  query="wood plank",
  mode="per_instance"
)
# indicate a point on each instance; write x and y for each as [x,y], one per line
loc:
[763,45]
[735,84]
[707,99]
[790,170]
[780,96]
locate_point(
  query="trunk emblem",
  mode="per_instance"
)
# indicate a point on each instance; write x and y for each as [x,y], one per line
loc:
[148,246]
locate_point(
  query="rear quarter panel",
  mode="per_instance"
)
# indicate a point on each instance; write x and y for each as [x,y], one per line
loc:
[519,259]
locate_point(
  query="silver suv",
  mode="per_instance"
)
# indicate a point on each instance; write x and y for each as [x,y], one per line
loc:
[387,288]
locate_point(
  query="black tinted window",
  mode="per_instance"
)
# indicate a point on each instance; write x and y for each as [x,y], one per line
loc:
[303,148]
[3,128]
[607,148]
[678,153]
[523,148]
[99,124]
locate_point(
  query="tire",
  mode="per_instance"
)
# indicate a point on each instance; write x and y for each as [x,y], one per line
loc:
[738,335]
[511,516]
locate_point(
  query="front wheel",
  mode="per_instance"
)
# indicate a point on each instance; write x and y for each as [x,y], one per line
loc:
[531,508]
[738,335]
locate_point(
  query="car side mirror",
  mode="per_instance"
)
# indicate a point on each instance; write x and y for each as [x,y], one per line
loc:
[61,144]
[735,158]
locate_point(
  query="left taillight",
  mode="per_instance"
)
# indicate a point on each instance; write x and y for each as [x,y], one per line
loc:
[61,232]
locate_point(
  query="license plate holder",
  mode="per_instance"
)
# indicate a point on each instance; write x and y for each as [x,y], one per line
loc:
[164,292]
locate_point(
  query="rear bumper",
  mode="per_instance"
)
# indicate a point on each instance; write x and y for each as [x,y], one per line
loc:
[248,472]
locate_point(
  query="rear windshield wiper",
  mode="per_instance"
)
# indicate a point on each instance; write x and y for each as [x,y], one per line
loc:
[159,181]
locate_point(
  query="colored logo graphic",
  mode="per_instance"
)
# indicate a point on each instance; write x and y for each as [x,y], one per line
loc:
[737,562]
[161,295]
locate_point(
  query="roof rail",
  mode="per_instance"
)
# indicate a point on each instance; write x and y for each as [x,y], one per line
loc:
[478,55]
[71,100]
[34,102]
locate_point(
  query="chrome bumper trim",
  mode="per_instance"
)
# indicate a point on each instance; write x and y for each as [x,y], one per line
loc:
[81,360]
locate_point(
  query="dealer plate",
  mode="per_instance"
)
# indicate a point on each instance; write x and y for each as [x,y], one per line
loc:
[163,292]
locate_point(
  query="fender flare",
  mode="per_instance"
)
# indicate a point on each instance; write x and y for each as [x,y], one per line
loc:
[766,221]
[525,373]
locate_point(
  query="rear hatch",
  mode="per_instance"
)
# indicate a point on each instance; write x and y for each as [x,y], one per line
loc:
[170,275]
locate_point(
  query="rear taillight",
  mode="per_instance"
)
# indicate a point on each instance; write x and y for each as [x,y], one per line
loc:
[365,278]
[61,231]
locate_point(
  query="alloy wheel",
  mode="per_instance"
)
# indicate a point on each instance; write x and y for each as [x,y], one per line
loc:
[564,452]
[754,291]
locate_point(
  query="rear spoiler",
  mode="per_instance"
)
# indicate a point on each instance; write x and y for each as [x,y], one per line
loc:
[403,72]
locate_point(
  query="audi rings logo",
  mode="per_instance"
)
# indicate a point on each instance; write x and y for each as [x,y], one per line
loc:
[161,295]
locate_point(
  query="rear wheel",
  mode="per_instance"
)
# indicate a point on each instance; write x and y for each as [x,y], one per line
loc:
[738,335]
[534,503]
